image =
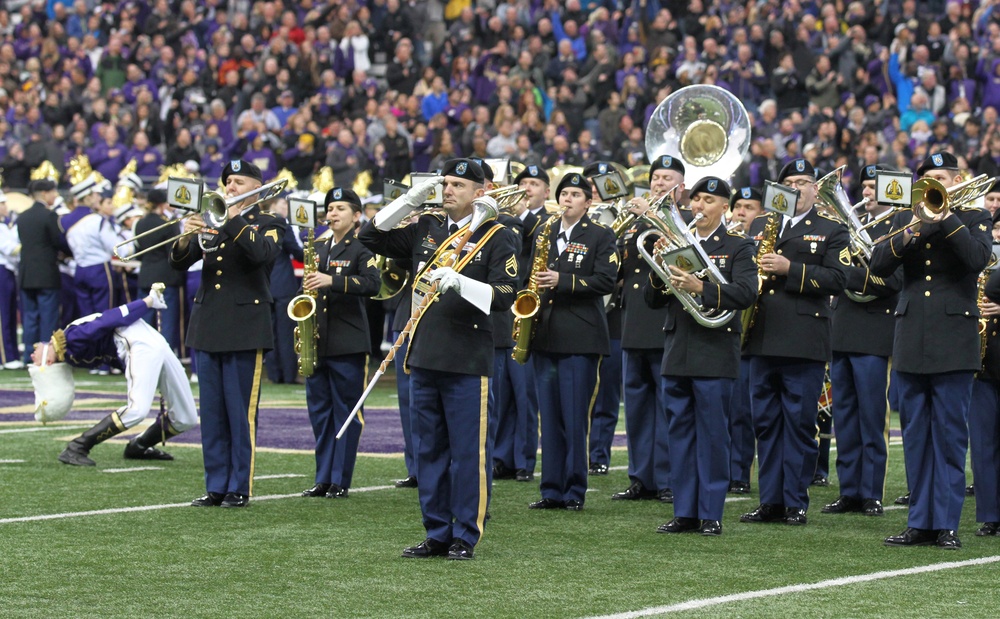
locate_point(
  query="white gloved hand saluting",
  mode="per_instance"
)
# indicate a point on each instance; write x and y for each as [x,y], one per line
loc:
[397,210]
[478,293]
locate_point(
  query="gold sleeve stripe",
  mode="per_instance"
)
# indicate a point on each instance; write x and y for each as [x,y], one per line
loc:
[802,284]
[955,230]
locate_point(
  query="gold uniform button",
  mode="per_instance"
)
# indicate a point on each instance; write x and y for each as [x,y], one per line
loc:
[966,313]
[817,314]
[729,330]
[635,286]
[774,277]
[219,258]
[928,263]
[928,278]
[888,312]
[779,252]
[217,286]
[637,270]
[218,272]
[223,246]
[927,246]
[475,326]
[927,293]
[256,301]
[770,292]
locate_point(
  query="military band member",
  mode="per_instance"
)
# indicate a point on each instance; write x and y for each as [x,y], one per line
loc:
[230,329]
[402,315]
[120,338]
[38,269]
[450,355]
[10,248]
[701,364]
[571,338]
[345,276]
[984,415]
[862,344]
[936,353]
[642,351]
[789,347]
[745,204]
[156,266]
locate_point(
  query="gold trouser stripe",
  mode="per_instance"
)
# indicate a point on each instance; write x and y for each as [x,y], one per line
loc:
[484,394]
[182,300]
[590,407]
[885,432]
[252,412]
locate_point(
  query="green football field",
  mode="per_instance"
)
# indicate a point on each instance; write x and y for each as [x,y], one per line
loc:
[120,541]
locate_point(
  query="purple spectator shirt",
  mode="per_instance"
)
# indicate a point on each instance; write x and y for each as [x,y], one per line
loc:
[108,160]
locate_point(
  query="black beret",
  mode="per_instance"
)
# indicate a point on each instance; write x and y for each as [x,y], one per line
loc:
[42,184]
[746,193]
[157,196]
[241,167]
[464,168]
[666,162]
[711,185]
[797,167]
[938,161]
[870,172]
[487,168]
[578,181]
[597,168]
[342,194]
[532,171]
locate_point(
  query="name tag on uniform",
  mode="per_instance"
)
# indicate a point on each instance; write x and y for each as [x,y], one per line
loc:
[720,261]
[429,242]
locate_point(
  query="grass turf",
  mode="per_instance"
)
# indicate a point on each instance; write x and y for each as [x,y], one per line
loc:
[297,557]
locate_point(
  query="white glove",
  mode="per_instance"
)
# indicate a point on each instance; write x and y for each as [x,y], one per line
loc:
[156,299]
[397,210]
[479,294]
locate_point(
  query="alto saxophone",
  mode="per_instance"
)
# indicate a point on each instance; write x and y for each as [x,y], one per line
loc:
[984,321]
[766,246]
[527,302]
[302,309]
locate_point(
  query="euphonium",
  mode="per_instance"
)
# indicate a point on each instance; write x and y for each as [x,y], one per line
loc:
[766,246]
[302,309]
[527,301]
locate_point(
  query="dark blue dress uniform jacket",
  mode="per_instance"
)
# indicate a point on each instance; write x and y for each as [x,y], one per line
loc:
[642,325]
[156,263]
[38,229]
[341,307]
[503,319]
[232,308]
[573,319]
[695,350]
[991,360]
[937,316]
[469,332]
[793,315]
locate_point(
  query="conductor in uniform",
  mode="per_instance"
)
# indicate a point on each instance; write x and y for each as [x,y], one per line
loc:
[789,345]
[571,337]
[450,354]
[701,363]
[231,329]
[936,352]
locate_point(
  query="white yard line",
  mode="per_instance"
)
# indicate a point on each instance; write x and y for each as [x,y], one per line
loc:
[11,461]
[133,469]
[281,476]
[823,584]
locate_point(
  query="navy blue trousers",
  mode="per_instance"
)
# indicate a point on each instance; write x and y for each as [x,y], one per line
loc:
[743,443]
[698,418]
[190,290]
[567,387]
[645,419]
[8,318]
[935,441]
[230,393]
[606,406]
[984,441]
[40,311]
[331,393]
[784,399]
[531,425]
[403,393]
[514,439]
[450,419]
[861,413]
[282,363]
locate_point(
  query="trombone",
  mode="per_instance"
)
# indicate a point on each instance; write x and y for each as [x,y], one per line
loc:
[932,201]
[214,211]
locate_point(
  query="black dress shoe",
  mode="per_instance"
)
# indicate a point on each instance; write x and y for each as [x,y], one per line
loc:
[948,540]
[135,452]
[680,525]
[427,548]
[500,471]
[711,527]
[336,492]
[872,507]
[523,475]
[795,516]
[547,504]
[406,482]
[574,506]
[739,487]
[212,499]
[988,529]
[635,492]
[317,490]
[665,496]
[970,490]
[598,469]
[843,505]
[903,500]
[233,499]
[765,512]
[76,455]
[460,550]
[913,537]
[819,480]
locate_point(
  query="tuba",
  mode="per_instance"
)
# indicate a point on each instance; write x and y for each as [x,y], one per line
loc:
[302,310]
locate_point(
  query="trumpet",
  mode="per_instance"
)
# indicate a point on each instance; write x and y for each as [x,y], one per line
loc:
[507,198]
[214,211]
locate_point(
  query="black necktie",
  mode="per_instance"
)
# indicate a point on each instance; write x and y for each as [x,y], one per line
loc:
[453,228]
[788,226]
[563,237]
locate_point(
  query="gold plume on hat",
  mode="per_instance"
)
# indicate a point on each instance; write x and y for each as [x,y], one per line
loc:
[124,195]
[322,180]
[129,168]
[46,170]
[286,175]
[177,171]
[79,169]
[362,184]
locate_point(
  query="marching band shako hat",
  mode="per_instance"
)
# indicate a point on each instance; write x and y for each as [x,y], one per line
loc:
[746,193]
[797,167]
[241,167]
[666,162]
[532,171]
[343,194]
[712,185]
[577,181]
[487,168]
[464,168]
[938,161]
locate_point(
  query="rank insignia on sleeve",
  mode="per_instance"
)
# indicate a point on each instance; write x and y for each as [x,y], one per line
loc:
[614,258]
[373,262]
[272,234]
[845,257]
[982,227]
[510,267]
